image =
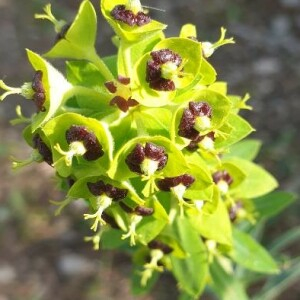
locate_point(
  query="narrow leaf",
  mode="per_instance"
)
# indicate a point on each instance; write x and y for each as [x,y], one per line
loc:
[251,255]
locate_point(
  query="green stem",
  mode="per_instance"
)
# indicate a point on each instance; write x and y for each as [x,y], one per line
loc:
[93,57]
[84,91]
[124,50]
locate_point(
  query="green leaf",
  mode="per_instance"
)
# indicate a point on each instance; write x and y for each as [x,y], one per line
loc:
[129,54]
[247,149]
[216,225]
[273,203]
[85,74]
[236,172]
[188,31]
[111,62]
[251,255]
[207,72]
[151,226]
[111,239]
[256,177]
[153,121]
[55,86]
[80,37]
[219,87]
[225,285]
[192,271]
[239,129]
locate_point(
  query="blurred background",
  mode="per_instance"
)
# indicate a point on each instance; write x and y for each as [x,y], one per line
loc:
[44,257]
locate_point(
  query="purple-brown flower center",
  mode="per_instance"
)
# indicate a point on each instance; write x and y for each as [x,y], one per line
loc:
[99,188]
[193,145]
[79,133]
[222,175]
[140,154]
[156,244]
[42,148]
[154,69]
[170,182]
[120,13]
[123,99]
[39,96]
[189,119]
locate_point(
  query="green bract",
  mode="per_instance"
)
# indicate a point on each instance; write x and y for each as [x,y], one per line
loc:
[155,147]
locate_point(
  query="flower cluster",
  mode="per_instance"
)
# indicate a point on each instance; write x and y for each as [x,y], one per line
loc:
[150,140]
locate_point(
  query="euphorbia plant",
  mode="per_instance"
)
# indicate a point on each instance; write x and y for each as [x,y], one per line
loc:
[153,144]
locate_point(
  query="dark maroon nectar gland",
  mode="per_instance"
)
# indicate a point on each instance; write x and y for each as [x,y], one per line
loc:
[170,182]
[156,244]
[105,194]
[138,210]
[62,34]
[177,185]
[121,88]
[204,141]
[110,220]
[236,210]
[143,211]
[99,188]
[223,180]
[42,148]
[78,133]
[120,13]
[195,119]
[39,96]
[162,70]
[146,160]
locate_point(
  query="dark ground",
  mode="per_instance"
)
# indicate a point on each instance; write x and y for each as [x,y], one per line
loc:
[44,257]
